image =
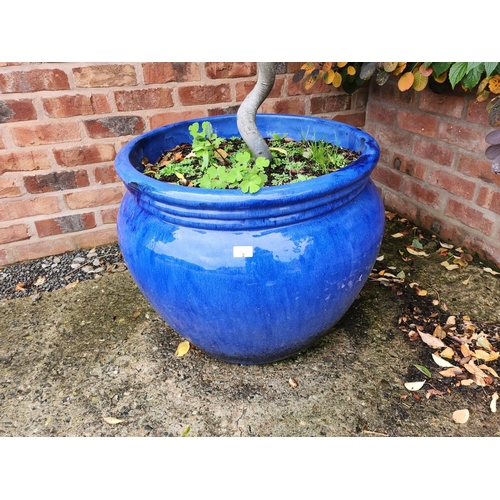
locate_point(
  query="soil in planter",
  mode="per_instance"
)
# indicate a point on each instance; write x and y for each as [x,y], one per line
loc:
[293,161]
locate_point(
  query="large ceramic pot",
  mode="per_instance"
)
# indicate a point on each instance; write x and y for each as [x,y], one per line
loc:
[251,278]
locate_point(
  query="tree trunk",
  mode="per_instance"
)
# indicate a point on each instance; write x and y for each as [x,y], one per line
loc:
[246,115]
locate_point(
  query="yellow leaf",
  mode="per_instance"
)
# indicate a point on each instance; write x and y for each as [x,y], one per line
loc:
[351,70]
[280,150]
[389,67]
[420,81]
[447,353]
[337,80]
[397,235]
[112,420]
[416,251]
[441,78]
[329,76]
[465,350]
[489,270]
[461,416]
[494,84]
[414,386]
[309,82]
[222,153]
[400,68]
[431,340]
[489,369]
[480,354]
[493,404]
[341,64]
[406,81]
[308,67]
[182,349]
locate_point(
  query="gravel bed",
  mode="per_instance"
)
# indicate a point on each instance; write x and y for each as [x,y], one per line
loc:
[50,273]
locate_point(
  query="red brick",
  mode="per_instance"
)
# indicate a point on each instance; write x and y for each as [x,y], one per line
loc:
[46,133]
[133,100]
[330,103]
[84,155]
[476,168]
[169,117]
[106,175]
[204,94]
[65,224]
[489,199]
[387,177]
[391,94]
[417,123]
[476,113]
[486,249]
[36,250]
[450,105]
[440,226]
[420,193]
[9,188]
[170,72]
[23,161]
[400,204]
[432,151]
[462,136]
[354,119]
[219,70]
[100,104]
[393,139]
[114,126]
[223,110]
[409,166]
[320,87]
[94,197]
[284,106]
[381,113]
[17,110]
[67,105]
[244,88]
[11,210]
[109,215]
[17,232]
[2,144]
[452,183]
[56,181]
[105,75]
[95,237]
[33,81]
[469,216]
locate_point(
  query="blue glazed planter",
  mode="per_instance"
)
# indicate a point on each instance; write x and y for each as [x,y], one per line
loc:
[251,278]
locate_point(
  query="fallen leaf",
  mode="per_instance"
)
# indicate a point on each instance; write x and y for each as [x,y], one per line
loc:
[416,251]
[448,266]
[40,281]
[489,270]
[182,349]
[397,235]
[414,386]
[451,372]
[442,362]
[461,416]
[483,342]
[137,314]
[439,332]
[493,404]
[380,258]
[489,369]
[424,370]
[71,285]
[431,341]
[464,349]
[112,420]
[19,287]
[293,383]
[467,382]
[447,353]
[446,245]
[466,282]
[186,431]
[433,392]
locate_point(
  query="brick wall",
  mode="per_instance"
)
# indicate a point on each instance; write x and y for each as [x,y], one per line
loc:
[61,125]
[432,167]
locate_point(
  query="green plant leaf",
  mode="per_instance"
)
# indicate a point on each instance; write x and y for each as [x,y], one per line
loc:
[416,244]
[439,67]
[472,65]
[490,67]
[424,370]
[471,79]
[457,72]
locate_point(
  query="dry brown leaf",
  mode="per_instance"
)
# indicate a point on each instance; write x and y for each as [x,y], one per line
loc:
[293,383]
[464,349]
[182,349]
[489,369]
[493,404]
[489,270]
[447,353]
[442,362]
[433,392]
[416,251]
[439,332]
[461,416]
[467,382]
[451,372]
[431,340]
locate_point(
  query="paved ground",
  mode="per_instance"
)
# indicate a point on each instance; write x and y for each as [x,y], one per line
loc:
[95,360]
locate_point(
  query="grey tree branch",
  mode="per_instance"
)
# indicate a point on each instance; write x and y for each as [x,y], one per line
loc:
[245,118]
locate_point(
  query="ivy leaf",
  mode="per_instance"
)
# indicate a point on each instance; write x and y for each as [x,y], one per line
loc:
[457,72]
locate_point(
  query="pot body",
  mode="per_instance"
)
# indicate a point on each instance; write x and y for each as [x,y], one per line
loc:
[251,279]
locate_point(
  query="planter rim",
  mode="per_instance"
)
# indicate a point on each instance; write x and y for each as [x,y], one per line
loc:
[231,208]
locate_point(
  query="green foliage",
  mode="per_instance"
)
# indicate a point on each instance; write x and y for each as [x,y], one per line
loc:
[483,77]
